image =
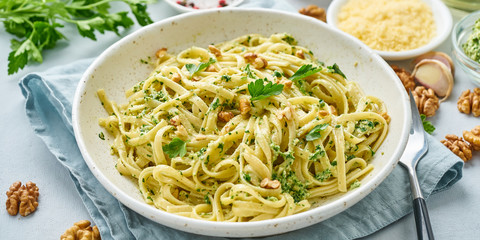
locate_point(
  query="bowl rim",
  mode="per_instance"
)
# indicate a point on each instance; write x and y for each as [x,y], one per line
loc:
[183,9]
[343,203]
[443,12]
[459,54]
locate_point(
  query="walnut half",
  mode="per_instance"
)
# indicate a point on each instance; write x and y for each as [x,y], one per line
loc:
[469,102]
[458,146]
[314,11]
[81,230]
[22,199]
[13,198]
[426,100]
[473,137]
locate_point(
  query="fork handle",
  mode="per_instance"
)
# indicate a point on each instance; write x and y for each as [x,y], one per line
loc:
[422,219]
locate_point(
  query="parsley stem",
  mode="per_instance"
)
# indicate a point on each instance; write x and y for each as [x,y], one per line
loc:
[83,7]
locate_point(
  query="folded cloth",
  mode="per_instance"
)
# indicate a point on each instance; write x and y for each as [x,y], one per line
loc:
[49,97]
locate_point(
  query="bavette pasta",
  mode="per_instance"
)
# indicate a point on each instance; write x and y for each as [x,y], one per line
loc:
[250,129]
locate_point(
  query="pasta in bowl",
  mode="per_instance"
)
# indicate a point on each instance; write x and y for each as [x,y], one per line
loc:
[254,131]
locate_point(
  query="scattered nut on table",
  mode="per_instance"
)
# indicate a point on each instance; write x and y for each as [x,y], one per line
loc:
[469,101]
[405,76]
[28,199]
[81,230]
[426,100]
[473,137]
[22,199]
[13,198]
[458,146]
[314,11]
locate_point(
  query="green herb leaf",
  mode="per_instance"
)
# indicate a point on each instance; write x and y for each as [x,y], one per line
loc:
[249,72]
[35,23]
[315,133]
[305,71]
[355,184]
[259,91]
[101,136]
[176,147]
[194,69]
[336,69]
[427,125]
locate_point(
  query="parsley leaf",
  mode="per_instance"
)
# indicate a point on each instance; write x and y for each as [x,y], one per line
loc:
[259,91]
[427,125]
[249,72]
[336,69]
[35,23]
[176,147]
[193,69]
[315,132]
[305,71]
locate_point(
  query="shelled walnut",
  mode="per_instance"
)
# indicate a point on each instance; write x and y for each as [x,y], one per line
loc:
[469,101]
[13,198]
[473,137]
[314,11]
[458,146]
[28,199]
[81,230]
[426,100]
[405,76]
[22,199]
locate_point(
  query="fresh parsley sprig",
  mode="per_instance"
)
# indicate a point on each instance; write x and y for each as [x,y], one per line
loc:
[36,23]
[336,69]
[315,133]
[259,91]
[427,125]
[177,147]
[305,71]
[194,69]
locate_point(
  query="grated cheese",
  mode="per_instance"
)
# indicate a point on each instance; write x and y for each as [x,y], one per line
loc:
[388,25]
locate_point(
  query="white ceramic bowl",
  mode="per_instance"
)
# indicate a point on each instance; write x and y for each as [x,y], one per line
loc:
[208,3]
[443,21]
[119,68]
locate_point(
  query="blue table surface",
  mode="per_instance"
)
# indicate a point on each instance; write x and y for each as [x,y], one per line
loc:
[455,213]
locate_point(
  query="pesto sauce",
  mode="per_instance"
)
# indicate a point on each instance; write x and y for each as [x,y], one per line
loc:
[472,46]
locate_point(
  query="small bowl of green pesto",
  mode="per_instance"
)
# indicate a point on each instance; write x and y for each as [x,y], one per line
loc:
[466,45]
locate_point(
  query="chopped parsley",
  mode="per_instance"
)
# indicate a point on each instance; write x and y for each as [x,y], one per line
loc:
[355,184]
[101,136]
[247,177]
[249,72]
[292,185]
[226,78]
[277,74]
[324,175]
[289,39]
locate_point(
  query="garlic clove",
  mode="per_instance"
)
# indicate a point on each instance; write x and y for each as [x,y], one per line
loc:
[440,56]
[434,74]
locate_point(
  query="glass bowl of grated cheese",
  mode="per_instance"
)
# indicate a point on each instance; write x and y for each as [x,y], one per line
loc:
[396,30]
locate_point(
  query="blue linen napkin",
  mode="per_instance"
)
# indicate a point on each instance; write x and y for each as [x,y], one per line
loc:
[49,97]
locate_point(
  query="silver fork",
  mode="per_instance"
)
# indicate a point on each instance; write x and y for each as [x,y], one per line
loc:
[414,151]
